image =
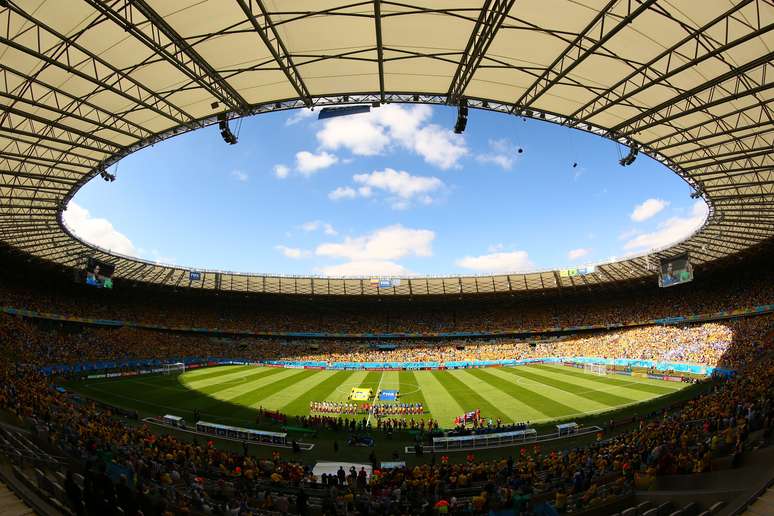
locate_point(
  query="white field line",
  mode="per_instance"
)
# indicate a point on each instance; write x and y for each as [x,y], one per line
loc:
[368,420]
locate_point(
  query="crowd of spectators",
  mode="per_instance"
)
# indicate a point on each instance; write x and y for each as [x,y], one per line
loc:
[138,469]
[713,344]
[524,311]
[161,474]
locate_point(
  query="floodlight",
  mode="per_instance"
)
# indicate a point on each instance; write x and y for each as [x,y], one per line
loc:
[629,158]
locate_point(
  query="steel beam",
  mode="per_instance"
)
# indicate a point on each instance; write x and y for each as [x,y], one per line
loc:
[68,55]
[140,20]
[583,46]
[493,14]
[683,55]
[36,92]
[738,81]
[727,123]
[379,45]
[270,37]
[690,155]
[19,117]
[38,149]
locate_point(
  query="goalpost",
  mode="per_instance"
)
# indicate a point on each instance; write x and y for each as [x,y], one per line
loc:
[171,368]
[597,369]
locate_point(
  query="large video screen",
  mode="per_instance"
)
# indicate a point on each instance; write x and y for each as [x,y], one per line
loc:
[675,271]
[99,274]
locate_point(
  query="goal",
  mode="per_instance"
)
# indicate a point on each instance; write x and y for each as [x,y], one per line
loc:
[597,369]
[171,368]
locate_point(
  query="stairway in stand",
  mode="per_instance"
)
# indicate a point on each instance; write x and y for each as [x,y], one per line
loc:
[12,505]
[763,506]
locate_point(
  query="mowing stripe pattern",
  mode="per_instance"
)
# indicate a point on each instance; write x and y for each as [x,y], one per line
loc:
[232,394]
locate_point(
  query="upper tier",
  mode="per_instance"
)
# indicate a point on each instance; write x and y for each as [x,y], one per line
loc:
[84,84]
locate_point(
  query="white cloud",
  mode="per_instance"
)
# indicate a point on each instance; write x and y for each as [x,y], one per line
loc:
[357,133]
[155,256]
[376,252]
[314,225]
[575,254]
[670,231]
[495,248]
[501,153]
[299,115]
[342,192]
[96,231]
[281,171]
[372,133]
[628,234]
[648,209]
[292,252]
[401,187]
[439,146]
[388,243]
[514,261]
[365,268]
[240,175]
[308,163]
[500,160]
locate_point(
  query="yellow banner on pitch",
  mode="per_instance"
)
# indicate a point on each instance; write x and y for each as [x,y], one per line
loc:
[360,394]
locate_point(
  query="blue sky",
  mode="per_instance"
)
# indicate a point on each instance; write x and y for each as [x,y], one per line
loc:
[392,192]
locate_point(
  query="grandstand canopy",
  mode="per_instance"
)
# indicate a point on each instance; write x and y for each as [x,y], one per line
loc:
[84,83]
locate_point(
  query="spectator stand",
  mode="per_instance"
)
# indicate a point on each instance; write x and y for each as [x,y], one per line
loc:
[17,445]
[332,468]
[482,440]
[230,433]
[500,439]
[567,428]
[392,465]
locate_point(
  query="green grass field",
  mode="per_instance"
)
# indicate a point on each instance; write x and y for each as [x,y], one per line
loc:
[232,394]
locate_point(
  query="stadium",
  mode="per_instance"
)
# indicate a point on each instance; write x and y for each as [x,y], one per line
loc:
[634,386]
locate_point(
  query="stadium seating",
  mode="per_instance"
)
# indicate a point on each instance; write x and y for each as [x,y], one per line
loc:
[720,429]
[26,286]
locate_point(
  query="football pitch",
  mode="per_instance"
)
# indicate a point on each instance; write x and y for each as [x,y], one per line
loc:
[233,394]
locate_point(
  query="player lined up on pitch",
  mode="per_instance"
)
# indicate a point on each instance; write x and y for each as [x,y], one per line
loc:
[375,409]
[394,409]
[334,407]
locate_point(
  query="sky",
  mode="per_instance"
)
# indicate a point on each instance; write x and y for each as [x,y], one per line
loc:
[393,192]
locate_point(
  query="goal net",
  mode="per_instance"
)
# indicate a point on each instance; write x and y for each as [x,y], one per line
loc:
[598,369]
[172,368]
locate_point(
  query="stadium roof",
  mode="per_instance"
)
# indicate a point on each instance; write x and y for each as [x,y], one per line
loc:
[83,83]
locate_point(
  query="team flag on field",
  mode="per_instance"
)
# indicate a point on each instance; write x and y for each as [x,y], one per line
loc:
[388,395]
[360,394]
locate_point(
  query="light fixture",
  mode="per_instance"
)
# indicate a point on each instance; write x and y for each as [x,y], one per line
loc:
[462,117]
[107,176]
[225,130]
[698,192]
[629,158]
